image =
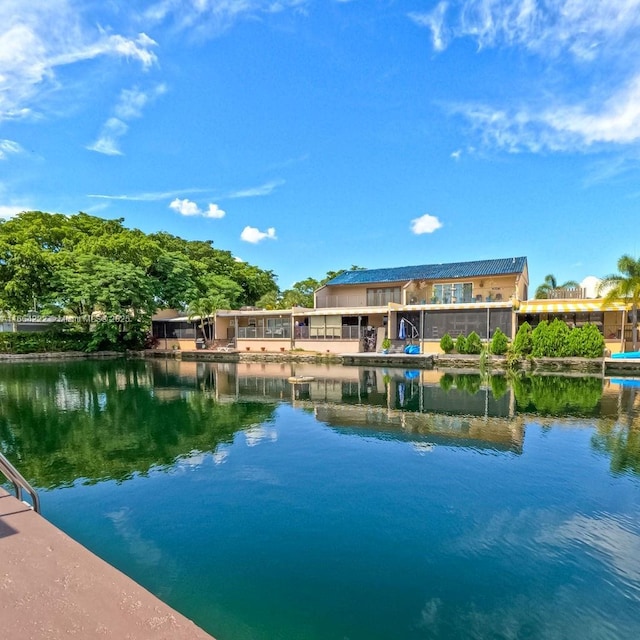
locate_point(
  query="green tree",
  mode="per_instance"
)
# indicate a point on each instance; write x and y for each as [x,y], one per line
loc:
[586,342]
[550,284]
[461,344]
[446,343]
[474,344]
[270,300]
[625,286]
[550,340]
[522,343]
[499,343]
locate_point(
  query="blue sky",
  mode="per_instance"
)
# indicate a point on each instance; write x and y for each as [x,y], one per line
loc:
[310,135]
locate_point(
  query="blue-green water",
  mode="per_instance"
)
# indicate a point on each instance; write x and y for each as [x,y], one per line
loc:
[364,505]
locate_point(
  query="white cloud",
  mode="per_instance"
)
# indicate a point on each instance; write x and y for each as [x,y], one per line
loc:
[107,142]
[8,211]
[185,207]
[214,211]
[254,235]
[8,147]
[456,154]
[129,106]
[38,38]
[425,224]
[561,127]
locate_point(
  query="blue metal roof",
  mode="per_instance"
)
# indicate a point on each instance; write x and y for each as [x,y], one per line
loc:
[449,271]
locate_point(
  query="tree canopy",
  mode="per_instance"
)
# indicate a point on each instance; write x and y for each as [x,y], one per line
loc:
[82,264]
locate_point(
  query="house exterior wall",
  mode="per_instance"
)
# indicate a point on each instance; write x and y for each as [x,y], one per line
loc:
[342,296]
[421,292]
[260,345]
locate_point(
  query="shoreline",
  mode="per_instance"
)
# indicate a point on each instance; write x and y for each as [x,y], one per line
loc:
[444,362]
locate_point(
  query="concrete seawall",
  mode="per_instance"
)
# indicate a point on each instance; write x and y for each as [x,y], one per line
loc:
[51,588]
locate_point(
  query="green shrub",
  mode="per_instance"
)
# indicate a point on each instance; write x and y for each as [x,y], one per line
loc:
[499,343]
[586,342]
[474,344]
[76,337]
[523,343]
[446,343]
[499,386]
[461,344]
[446,382]
[105,337]
[468,382]
[54,339]
[551,340]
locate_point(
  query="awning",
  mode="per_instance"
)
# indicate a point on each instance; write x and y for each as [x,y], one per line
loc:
[566,306]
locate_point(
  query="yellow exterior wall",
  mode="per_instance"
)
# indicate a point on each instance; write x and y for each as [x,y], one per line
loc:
[485,286]
[431,346]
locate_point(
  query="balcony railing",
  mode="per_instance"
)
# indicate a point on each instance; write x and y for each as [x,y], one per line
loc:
[339,301]
[265,333]
[568,294]
[346,332]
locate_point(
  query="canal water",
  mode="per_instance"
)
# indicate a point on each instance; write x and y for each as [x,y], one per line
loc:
[363,504]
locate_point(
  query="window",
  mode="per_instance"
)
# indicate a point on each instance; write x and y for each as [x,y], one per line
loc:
[382,296]
[452,292]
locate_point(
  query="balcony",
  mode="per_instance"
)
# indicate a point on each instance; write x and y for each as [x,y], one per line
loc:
[346,332]
[262,333]
[337,301]
[574,293]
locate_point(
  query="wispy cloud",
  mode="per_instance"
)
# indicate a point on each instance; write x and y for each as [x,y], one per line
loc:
[8,147]
[154,196]
[151,196]
[425,224]
[207,18]
[584,29]
[254,192]
[254,235]
[37,38]
[107,141]
[598,40]
[560,127]
[130,104]
[187,207]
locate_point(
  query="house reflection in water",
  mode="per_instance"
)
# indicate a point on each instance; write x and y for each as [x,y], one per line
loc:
[404,405]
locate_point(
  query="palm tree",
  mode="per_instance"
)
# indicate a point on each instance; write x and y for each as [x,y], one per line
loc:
[204,308]
[551,284]
[625,286]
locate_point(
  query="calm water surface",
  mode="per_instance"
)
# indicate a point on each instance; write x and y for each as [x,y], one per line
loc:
[367,504]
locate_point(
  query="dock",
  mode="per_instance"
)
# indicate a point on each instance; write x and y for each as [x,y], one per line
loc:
[620,366]
[404,360]
[51,587]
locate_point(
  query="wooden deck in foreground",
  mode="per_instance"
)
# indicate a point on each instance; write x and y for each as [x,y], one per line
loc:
[51,587]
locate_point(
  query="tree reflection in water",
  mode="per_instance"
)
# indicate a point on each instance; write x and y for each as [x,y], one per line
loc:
[106,420]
